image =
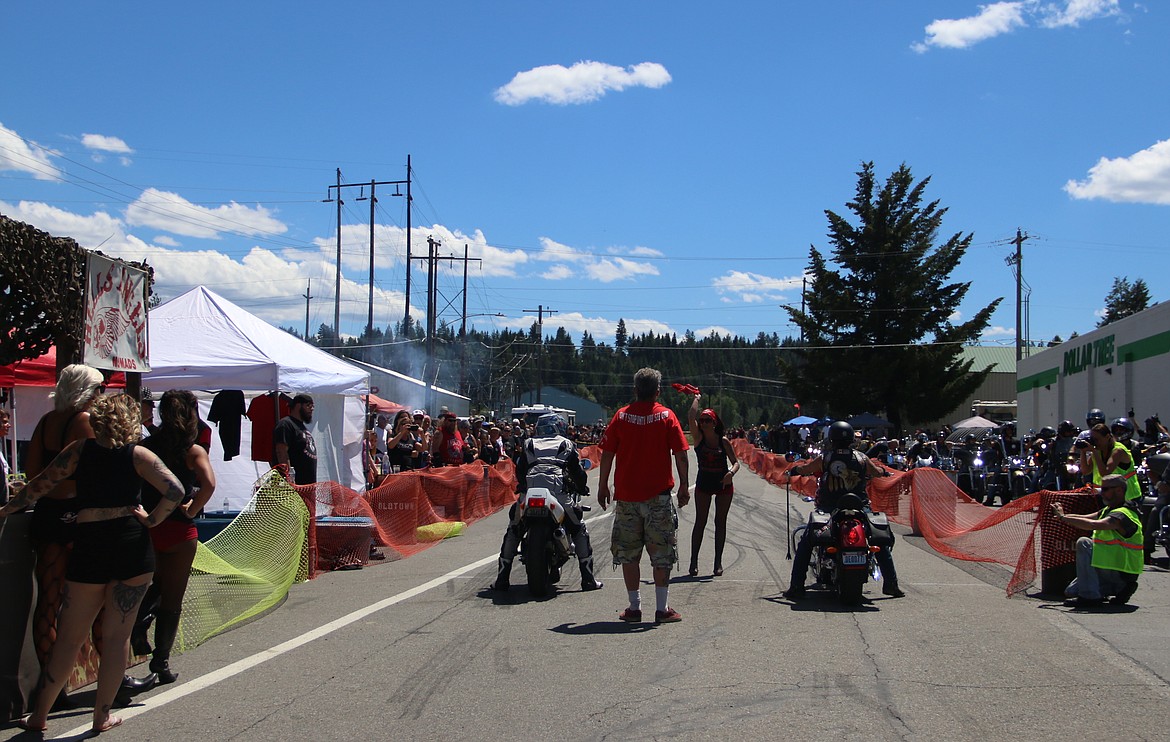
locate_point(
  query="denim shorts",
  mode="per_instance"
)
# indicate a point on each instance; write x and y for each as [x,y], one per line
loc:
[650,523]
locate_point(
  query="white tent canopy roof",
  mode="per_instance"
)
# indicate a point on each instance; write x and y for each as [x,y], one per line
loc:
[200,340]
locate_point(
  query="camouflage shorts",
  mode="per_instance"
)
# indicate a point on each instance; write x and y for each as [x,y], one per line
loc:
[651,523]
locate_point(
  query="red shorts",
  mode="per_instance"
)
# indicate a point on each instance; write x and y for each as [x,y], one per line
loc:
[170,533]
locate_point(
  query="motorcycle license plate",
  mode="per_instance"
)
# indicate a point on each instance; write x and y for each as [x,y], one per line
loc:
[853,559]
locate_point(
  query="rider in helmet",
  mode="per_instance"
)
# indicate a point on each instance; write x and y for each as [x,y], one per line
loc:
[549,459]
[841,469]
[1123,430]
[1094,417]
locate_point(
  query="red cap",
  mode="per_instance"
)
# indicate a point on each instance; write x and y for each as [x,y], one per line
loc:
[708,413]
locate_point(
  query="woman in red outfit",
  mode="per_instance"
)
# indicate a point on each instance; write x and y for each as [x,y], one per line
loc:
[175,441]
[717,465]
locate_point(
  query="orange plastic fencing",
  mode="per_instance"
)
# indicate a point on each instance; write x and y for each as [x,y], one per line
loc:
[410,511]
[1021,534]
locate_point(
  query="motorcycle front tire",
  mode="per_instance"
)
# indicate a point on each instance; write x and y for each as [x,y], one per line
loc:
[536,562]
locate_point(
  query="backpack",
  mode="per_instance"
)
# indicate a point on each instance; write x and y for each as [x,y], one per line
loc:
[547,459]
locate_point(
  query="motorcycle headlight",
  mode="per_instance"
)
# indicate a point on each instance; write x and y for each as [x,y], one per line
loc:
[977,462]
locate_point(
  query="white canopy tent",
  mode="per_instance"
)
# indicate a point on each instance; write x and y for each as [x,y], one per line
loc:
[203,342]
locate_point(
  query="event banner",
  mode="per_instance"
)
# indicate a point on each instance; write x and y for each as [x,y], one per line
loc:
[115,316]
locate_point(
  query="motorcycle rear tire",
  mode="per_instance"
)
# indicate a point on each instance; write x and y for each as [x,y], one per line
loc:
[849,586]
[536,562]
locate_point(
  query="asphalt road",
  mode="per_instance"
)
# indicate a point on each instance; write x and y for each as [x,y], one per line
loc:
[418,649]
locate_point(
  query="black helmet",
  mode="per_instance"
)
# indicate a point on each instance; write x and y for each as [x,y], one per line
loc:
[1122,428]
[922,437]
[1095,416]
[1066,428]
[969,438]
[1047,432]
[841,434]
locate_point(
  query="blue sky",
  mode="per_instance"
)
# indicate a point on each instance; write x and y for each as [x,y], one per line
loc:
[667,163]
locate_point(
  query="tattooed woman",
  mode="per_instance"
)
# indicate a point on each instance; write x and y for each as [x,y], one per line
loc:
[112,561]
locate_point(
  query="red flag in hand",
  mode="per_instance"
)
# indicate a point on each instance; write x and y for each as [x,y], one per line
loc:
[685,388]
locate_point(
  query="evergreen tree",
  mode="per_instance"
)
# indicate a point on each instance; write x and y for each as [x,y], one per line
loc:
[1125,299]
[620,337]
[877,323]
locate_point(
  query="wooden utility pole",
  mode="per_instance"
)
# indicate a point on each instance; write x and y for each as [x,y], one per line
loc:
[540,311]
[406,306]
[337,284]
[1018,261]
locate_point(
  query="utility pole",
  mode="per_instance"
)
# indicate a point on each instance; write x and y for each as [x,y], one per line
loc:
[337,285]
[373,202]
[1017,261]
[540,311]
[308,295]
[406,308]
[803,290]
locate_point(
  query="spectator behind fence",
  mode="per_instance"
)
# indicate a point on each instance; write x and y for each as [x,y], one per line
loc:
[1109,563]
[113,560]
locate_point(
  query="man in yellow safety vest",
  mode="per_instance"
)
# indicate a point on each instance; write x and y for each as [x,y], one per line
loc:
[1108,564]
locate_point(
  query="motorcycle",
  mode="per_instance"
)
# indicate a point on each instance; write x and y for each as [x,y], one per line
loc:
[1019,478]
[975,476]
[545,546]
[844,545]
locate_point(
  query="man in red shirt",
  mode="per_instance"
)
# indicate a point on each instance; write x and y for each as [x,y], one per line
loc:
[642,437]
[447,443]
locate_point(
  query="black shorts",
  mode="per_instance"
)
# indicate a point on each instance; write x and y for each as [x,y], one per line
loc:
[109,550]
[52,521]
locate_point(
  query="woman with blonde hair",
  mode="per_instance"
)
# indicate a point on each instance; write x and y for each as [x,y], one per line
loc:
[112,561]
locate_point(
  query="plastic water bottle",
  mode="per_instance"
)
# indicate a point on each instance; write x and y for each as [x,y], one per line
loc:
[226,505]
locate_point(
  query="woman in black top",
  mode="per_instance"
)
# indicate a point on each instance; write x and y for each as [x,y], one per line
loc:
[714,453]
[175,539]
[112,560]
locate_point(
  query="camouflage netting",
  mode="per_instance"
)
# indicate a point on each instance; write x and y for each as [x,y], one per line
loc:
[953,524]
[42,290]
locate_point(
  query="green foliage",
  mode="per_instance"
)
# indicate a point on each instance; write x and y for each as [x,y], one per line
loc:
[878,318]
[1125,299]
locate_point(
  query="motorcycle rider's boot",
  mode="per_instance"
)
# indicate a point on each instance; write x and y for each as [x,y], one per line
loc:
[890,587]
[589,580]
[502,576]
[794,592]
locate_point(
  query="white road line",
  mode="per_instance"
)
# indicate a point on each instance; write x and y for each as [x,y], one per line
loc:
[224,673]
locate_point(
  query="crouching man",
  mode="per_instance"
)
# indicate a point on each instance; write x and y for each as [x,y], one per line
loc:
[1108,564]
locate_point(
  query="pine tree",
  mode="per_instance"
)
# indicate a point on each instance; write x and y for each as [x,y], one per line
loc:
[1125,299]
[878,322]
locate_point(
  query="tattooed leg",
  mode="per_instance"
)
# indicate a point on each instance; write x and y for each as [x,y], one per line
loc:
[127,597]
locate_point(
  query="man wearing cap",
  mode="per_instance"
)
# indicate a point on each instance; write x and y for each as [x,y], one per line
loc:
[293,444]
[1108,564]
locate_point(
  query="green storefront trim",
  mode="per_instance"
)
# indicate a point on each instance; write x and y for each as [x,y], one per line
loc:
[1139,350]
[1044,378]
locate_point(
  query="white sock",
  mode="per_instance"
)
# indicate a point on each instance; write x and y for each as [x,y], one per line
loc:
[635,600]
[660,594]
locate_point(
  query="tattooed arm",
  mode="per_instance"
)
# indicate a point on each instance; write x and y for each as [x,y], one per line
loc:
[60,468]
[151,468]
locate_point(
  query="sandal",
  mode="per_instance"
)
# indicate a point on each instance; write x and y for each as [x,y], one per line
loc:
[694,570]
[110,723]
[718,571]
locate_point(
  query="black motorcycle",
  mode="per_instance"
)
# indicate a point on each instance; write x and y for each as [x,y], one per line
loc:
[844,544]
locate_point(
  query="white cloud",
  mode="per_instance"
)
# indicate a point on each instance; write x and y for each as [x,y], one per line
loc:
[558,273]
[165,241]
[608,271]
[960,33]
[1143,177]
[753,288]
[998,332]
[1052,15]
[170,212]
[640,252]
[555,252]
[103,143]
[584,82]
[89,231]
[601,328]
[705,332]
[1000,18]
[25,157]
